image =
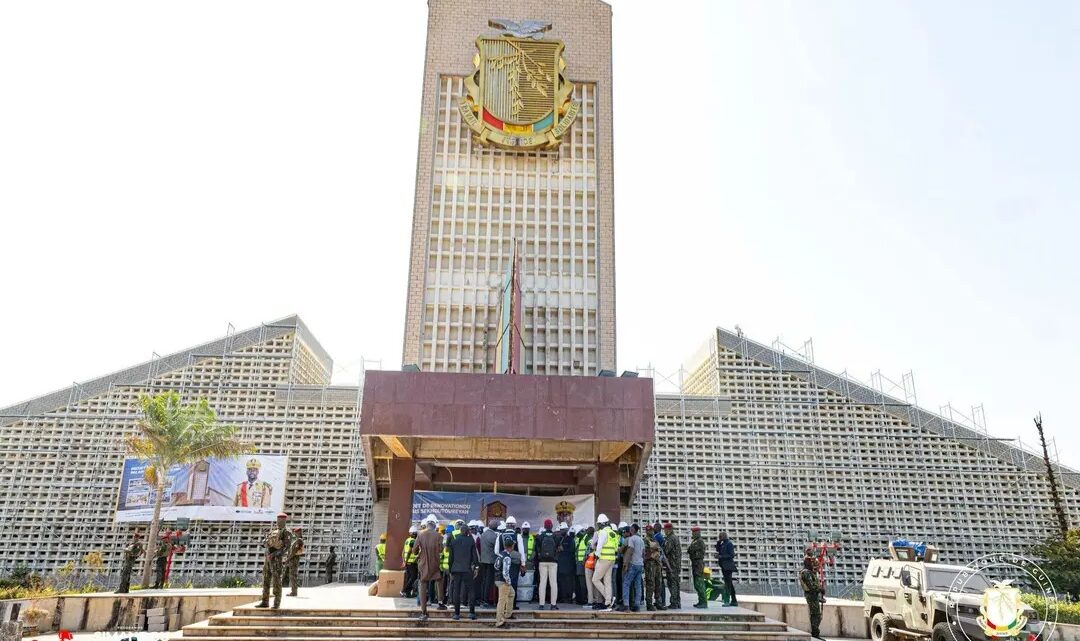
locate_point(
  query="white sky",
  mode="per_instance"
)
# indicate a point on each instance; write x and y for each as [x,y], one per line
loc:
[898,180]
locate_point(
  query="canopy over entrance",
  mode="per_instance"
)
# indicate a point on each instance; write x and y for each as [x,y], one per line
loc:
[526,433]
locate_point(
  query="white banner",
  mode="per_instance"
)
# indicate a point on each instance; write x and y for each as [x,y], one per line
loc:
[247,488]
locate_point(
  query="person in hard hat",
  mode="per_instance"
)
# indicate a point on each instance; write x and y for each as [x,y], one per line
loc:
[583,584]
[567,566]
[673,551]
[607,549]
[408,558]
[510,526]
[380,554]
[696,552]
[489,540]
[429,551]
[528,554]
[464,566]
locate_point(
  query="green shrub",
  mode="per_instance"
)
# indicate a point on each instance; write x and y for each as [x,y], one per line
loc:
[231,582]
[1066,612]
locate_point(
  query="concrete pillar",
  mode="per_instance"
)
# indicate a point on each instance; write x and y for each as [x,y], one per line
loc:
[399,516]
[607,490]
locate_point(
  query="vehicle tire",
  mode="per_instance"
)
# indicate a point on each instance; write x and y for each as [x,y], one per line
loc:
[879,628]
[944,632]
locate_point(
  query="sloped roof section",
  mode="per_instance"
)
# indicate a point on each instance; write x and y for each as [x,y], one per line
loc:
[145,371]
[911,414]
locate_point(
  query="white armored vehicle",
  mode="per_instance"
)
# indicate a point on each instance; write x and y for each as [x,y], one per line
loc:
[910,595]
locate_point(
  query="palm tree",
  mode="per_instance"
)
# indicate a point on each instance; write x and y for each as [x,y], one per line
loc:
[174,433]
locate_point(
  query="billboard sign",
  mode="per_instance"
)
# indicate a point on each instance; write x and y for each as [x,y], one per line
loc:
[447,507]
[246,488]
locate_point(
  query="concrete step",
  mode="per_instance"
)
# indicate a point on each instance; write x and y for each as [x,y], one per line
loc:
[471,630]
[712,614]
[485,620]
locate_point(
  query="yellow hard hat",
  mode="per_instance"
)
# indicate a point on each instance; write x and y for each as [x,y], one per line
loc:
[708,571]
[382,537]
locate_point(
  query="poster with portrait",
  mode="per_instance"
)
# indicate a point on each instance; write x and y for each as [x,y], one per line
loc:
[577,509]
[246,488]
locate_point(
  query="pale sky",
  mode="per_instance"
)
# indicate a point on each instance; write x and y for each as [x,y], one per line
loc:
[897,180]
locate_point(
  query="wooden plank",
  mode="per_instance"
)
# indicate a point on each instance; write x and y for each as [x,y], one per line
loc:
[399,446]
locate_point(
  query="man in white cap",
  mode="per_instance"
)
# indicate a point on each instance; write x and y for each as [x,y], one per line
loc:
[489,540]
[429,548]
[607,549]
[408,557]
[567,563]
[511,525]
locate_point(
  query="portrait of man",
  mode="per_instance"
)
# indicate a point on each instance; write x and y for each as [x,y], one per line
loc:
[252,492]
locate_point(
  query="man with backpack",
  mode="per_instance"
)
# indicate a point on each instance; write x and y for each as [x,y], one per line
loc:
[508,567]
[567,563]
[547,555]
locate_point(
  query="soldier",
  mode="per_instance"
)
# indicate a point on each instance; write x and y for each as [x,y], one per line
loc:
[673,552]
[131,554]
[696,552]
[278,542]
[253,492]
[811,586]
[330,564]
[292,560]
[653,573]
[161,560]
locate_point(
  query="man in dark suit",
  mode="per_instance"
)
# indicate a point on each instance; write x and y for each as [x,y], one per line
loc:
[464,564]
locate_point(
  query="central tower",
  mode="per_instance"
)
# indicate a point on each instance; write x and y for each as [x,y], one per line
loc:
[481,203]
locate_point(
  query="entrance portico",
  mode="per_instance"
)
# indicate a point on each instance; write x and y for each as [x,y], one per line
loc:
[526,433]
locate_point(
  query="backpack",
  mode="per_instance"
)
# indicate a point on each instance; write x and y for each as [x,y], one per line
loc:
[273,539]
[501,559]
[547,548]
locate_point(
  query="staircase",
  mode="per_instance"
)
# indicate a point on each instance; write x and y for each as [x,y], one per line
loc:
[253,624]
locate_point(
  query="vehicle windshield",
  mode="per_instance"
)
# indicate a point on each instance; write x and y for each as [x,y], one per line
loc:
[942,580]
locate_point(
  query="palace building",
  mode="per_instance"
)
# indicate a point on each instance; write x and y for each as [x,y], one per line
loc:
[509,376]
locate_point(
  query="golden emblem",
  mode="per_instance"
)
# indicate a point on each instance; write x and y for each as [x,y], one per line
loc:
[518,98]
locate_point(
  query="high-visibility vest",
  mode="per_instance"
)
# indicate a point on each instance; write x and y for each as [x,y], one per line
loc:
[530,543]
[611,546]
[582,548]
[444,558]
[380,551]
[409,551]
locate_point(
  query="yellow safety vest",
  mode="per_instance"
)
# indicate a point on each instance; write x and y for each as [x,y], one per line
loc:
[380,551]
[444,558]
[582,548]
[409,551]
[529,544]
[611,547]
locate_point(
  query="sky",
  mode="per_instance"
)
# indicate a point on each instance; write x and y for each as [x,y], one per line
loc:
[896,180]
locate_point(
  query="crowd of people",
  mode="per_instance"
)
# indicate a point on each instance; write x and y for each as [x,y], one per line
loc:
[603,566]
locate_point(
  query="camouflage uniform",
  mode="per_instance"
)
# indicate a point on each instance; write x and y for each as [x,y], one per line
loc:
[808,580]
[654,576]
[696,552]
[296,550]
[278,541]
[161,560]
[131,554]
[673,552]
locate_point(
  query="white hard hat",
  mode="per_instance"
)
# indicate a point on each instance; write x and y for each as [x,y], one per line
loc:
[501,526]
[412,529]
[573,529]
[525,525]
[511,520]
[602,519]
[431,519]
[563,526]
[623,525]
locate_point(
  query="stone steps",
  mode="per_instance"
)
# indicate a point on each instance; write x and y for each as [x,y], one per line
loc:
[309,624]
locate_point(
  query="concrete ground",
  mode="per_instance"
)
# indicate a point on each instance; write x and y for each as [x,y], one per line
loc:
[342,595]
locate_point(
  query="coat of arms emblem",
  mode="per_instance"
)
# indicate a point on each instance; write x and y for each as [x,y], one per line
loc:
[1002,611]
[518,98]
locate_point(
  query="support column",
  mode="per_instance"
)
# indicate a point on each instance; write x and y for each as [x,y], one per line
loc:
[607,490]
[399,514]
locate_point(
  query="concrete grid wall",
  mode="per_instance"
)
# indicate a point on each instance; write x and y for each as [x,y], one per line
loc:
[773,457]
[60,470]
